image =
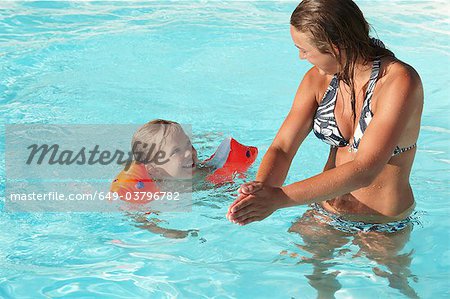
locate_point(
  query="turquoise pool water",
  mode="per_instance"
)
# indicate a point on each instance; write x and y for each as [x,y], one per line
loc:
[226,68]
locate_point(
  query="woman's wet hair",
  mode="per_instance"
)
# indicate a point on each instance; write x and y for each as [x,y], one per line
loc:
[342,24]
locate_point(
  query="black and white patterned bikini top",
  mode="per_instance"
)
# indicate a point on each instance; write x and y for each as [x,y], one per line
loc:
[325,126]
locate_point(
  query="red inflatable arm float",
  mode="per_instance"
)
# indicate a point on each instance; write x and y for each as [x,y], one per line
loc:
[229,159]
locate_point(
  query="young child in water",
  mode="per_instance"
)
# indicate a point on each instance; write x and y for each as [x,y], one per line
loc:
[177,156]
[165,160]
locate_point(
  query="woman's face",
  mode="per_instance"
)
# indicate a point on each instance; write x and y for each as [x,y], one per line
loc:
[326,63]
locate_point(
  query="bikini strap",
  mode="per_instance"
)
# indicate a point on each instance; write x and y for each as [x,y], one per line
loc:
[373,79]
[330,93]
[366,113]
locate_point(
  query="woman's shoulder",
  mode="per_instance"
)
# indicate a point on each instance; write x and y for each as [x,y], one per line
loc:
[316,78]
[399,79]
[396,69]
[317,82]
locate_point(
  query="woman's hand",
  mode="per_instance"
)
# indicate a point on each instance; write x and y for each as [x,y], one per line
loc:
[255,202]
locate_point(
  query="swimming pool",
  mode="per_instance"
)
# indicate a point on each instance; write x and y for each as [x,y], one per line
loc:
[217,66]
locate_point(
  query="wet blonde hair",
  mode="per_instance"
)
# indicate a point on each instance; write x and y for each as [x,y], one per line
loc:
[153,132]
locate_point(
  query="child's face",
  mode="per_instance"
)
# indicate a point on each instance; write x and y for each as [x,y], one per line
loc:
[181,156]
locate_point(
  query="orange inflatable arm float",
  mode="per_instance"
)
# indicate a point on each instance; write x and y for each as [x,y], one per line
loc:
[135,179]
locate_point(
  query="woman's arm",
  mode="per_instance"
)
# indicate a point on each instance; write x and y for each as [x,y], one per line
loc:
[402,95]
[297,125]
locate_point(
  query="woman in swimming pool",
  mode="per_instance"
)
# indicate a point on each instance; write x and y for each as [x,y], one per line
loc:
[362,101]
